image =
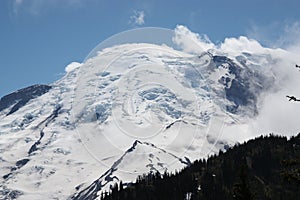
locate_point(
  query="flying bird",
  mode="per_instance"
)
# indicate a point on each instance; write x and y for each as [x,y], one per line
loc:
[292,98]
[297,66]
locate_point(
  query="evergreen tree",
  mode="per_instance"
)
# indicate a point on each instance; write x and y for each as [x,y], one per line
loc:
[241,190]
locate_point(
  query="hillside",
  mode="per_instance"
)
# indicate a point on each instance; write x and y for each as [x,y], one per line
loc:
[262,168]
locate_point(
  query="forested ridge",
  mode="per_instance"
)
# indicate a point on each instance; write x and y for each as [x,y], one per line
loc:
[267,167]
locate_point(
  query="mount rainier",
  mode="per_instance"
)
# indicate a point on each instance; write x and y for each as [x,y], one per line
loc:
[131,109]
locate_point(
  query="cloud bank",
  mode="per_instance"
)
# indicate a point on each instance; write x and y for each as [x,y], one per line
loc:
[276,114]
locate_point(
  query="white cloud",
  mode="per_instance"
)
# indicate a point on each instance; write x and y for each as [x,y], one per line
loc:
[292,37]
[35,7]
[72,66]
[235,46]
[138,18]
[276,34]
[276,113]
[16,6]
[19,1]
[191,42]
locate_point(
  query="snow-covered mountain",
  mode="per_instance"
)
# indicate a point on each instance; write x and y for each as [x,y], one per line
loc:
[132,109]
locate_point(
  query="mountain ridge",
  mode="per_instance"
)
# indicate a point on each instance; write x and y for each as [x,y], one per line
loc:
[108,179]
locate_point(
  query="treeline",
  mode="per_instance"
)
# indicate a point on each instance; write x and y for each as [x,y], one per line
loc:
[262,168]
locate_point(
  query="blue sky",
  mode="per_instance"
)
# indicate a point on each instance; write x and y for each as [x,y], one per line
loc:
[38,38]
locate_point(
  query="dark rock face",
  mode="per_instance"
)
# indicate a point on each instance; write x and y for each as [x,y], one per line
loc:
[21,163]
[245,87]
[19,98]
[238,92]
[10,194]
